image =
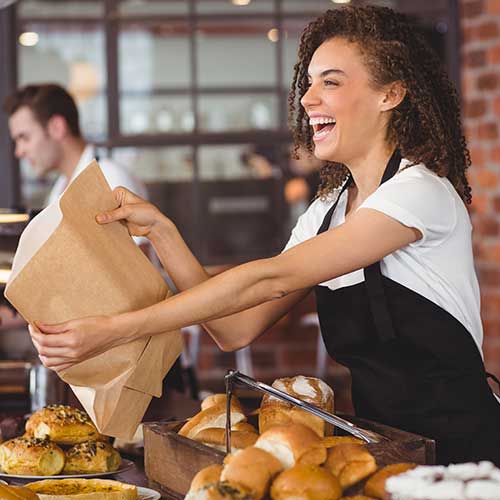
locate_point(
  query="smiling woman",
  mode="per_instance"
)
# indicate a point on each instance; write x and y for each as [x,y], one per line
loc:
[386,245]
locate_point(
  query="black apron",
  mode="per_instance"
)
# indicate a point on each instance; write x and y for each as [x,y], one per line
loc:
[413,365]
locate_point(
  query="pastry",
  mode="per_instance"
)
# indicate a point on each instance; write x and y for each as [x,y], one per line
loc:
[273,411]
[16,493]
[63,425]
[375,486]
[91,457]
[31,456]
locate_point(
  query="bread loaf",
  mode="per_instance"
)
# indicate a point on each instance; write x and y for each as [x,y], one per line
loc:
[306,482]
[91,457]
[215,437]
[312,390]
[214,416]
[375,486]
[220,399]
[293,444]
[63,425]
[249,472]
[16,493]
[350,463]
[31,456]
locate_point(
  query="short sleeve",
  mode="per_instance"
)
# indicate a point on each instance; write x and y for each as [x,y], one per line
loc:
[418,198]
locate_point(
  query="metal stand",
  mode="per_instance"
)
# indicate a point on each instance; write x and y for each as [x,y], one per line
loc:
[234,377]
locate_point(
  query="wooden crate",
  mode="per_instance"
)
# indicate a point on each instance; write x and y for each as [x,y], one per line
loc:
[171,461]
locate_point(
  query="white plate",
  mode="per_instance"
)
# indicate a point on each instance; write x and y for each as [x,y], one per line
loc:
[125,465]
[147,494]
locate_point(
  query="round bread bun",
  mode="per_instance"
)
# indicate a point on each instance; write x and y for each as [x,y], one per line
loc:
[63,425]
[33,456]
[331,441]
[358,497]
[83,489]
[250,470]
[375,486]
[350,463]
[208,476]
[215,437]
[16,493]
[91,457]
[306,482]
[293,444]
[220,399]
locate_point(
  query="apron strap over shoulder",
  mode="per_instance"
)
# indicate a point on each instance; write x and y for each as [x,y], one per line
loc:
[494,378]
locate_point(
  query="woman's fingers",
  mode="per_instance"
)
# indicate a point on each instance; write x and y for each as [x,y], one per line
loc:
[113,215]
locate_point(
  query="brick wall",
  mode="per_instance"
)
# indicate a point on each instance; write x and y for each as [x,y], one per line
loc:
[480,26]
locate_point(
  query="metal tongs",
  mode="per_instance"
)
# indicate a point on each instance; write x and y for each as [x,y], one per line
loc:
[234,376]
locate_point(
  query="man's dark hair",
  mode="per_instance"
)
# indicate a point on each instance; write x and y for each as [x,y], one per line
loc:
[45,101]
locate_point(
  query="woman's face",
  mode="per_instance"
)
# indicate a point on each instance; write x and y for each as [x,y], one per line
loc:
[345,111]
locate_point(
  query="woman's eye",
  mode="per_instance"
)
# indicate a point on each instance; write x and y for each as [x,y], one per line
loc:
[331,83]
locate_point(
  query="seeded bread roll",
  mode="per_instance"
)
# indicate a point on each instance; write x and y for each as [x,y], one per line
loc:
[16,493]
[63,425]
[91,457]
[31,456]
[293,444]
[350,463]
[306,482]
[312,390]
[375,486]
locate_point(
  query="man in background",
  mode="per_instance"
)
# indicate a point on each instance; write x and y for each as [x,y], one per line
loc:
[44,124]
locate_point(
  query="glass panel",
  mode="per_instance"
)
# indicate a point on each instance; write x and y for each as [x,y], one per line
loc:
[155,114]
[154,56]
[153,7]
[173,164]
[72,55]
[293,29]
[241,7]
[309,5]
[236,53]
[238,112]
[43,8]
[242,161]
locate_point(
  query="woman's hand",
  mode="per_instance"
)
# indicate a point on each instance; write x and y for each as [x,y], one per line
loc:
[142,218]
[62,345]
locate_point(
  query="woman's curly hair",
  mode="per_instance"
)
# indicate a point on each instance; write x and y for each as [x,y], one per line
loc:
[426,125]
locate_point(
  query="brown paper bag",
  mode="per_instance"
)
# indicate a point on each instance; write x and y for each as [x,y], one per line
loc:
[67,266]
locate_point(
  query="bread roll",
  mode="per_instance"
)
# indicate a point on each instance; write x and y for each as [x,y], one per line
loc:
[204,484]
[220,399]
[16,493]
[214,416]
[306,482]
[250,471]
[31,456]
[312,390]
[375,486]
[215,437]
[350,463]
[62,425]
[83,489]
[91,457]
[357,497]
[331,441]
[293,444]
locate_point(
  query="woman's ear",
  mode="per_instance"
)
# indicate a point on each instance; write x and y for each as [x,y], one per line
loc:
[393,95]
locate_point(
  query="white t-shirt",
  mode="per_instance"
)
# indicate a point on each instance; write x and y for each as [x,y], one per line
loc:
[115,174]
[440,265]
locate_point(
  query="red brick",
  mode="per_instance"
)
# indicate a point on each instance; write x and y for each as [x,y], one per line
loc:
[493,54]
[477,156]
[486,178]
[487,30]
[490,301]
[475,108]
[495,154]
[469,34]
[496,106]
[475,58]
[493,6]
[492,253]
[488,81]
[487,131]
[472,8]
[487,226]
[480,203]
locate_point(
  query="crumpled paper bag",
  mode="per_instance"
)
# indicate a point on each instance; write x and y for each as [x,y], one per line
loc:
[67,266]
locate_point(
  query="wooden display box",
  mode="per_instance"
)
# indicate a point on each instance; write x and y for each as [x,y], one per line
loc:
[171,461]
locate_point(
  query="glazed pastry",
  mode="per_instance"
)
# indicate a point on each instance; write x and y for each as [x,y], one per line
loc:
[90,457]
[63,425]
[31,456]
